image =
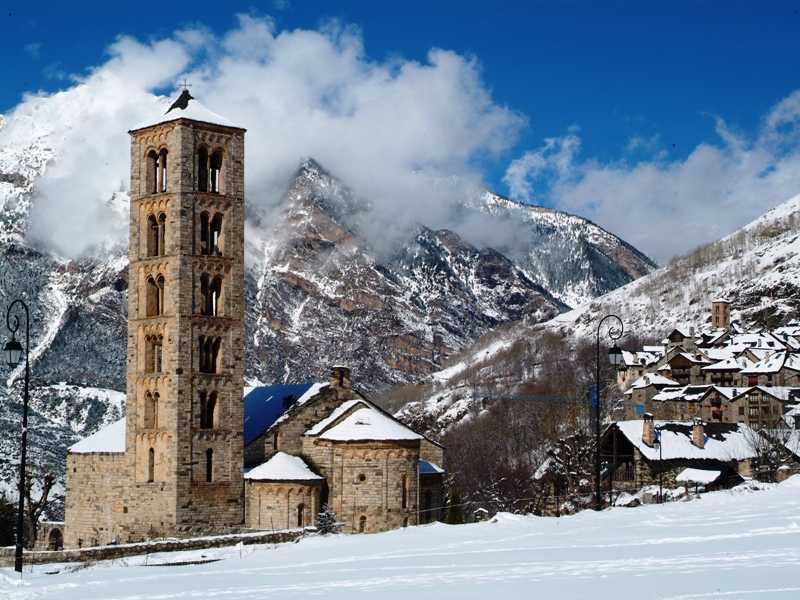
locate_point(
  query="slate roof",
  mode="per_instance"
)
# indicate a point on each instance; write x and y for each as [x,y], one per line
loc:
[264,406]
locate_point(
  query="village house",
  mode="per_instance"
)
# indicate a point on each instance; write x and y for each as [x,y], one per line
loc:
[645,452]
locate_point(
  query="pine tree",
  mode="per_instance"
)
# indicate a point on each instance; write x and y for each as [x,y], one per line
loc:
[455,515]
[326,521]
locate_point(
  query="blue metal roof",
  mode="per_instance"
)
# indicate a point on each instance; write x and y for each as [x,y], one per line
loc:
[264,405]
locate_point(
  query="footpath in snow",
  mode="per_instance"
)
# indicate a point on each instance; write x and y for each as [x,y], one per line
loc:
[732,544]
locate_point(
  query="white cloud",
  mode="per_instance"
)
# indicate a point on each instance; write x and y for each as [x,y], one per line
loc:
[666,207]
[377,125]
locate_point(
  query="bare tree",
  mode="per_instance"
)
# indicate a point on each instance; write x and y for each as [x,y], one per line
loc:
[35,508]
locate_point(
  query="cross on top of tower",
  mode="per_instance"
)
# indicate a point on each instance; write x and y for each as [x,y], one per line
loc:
[185,85]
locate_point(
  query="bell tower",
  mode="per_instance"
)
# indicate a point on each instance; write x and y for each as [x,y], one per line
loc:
[184,426]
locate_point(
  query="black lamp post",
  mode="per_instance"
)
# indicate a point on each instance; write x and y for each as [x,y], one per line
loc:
[657,444]
[615,357]
[13,353]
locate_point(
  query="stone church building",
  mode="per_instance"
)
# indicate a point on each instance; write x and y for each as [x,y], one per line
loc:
[196,451]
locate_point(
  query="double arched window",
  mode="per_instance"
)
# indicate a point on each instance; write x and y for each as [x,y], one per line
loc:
[208,410]
[208,353]
[209,170]
[210,294]
[157,171]
[153,346]
[156,235]
[211,234]
[154,296]
[151,410]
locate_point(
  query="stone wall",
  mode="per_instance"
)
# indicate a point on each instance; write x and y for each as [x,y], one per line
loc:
[123,550]
[277,505]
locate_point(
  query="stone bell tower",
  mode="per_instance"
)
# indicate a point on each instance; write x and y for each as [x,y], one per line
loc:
[184,426]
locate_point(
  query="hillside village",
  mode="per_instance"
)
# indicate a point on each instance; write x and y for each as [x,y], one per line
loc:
[710,407]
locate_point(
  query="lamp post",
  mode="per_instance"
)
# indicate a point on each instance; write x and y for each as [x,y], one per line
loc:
[657,443]
[13,352]
[615,357]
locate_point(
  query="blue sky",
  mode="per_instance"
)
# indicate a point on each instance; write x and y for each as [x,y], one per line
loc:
[638,115]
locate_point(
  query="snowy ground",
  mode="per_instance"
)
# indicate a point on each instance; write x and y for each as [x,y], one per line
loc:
[728,545]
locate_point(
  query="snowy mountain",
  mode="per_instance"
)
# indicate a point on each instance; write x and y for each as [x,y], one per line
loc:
[320,293]
[324,284]
[757,269]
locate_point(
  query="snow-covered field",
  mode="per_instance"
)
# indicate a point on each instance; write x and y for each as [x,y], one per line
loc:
[739,544]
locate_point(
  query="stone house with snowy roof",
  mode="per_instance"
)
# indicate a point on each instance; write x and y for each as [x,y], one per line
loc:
[373,471]
[635,460]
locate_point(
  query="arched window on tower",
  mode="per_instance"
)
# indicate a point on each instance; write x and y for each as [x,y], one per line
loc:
[162,170]
[208,410]
[202,170]
[154,296]
[215,172]
[151,410]
[153,353]
[211,234]
[209,465]
[210,294]
[151,172]
[208,354]
[156,235]
[151,466]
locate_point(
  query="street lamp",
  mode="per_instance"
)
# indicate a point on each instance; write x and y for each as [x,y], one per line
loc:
[615,357]
[13,353]
[657,444]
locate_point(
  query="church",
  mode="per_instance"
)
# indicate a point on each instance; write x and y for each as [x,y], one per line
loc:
[197,453]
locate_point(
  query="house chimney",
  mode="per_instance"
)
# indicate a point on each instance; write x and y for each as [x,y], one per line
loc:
[648,430]
[339,380]
[699,433]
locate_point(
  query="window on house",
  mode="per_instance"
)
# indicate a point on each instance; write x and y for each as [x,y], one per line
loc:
[151,466]
[275,437]
[300,519]
[404,486]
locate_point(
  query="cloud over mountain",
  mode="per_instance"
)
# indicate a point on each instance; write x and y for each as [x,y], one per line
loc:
[390,128]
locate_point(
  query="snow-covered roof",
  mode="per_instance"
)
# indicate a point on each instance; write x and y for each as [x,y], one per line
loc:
[771,363]
[653,379]
[783,393]
[722,441]
[698,475]
[340,410]
[283,467]
[108,439]
[186,107]
[369,424]
[729,364]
